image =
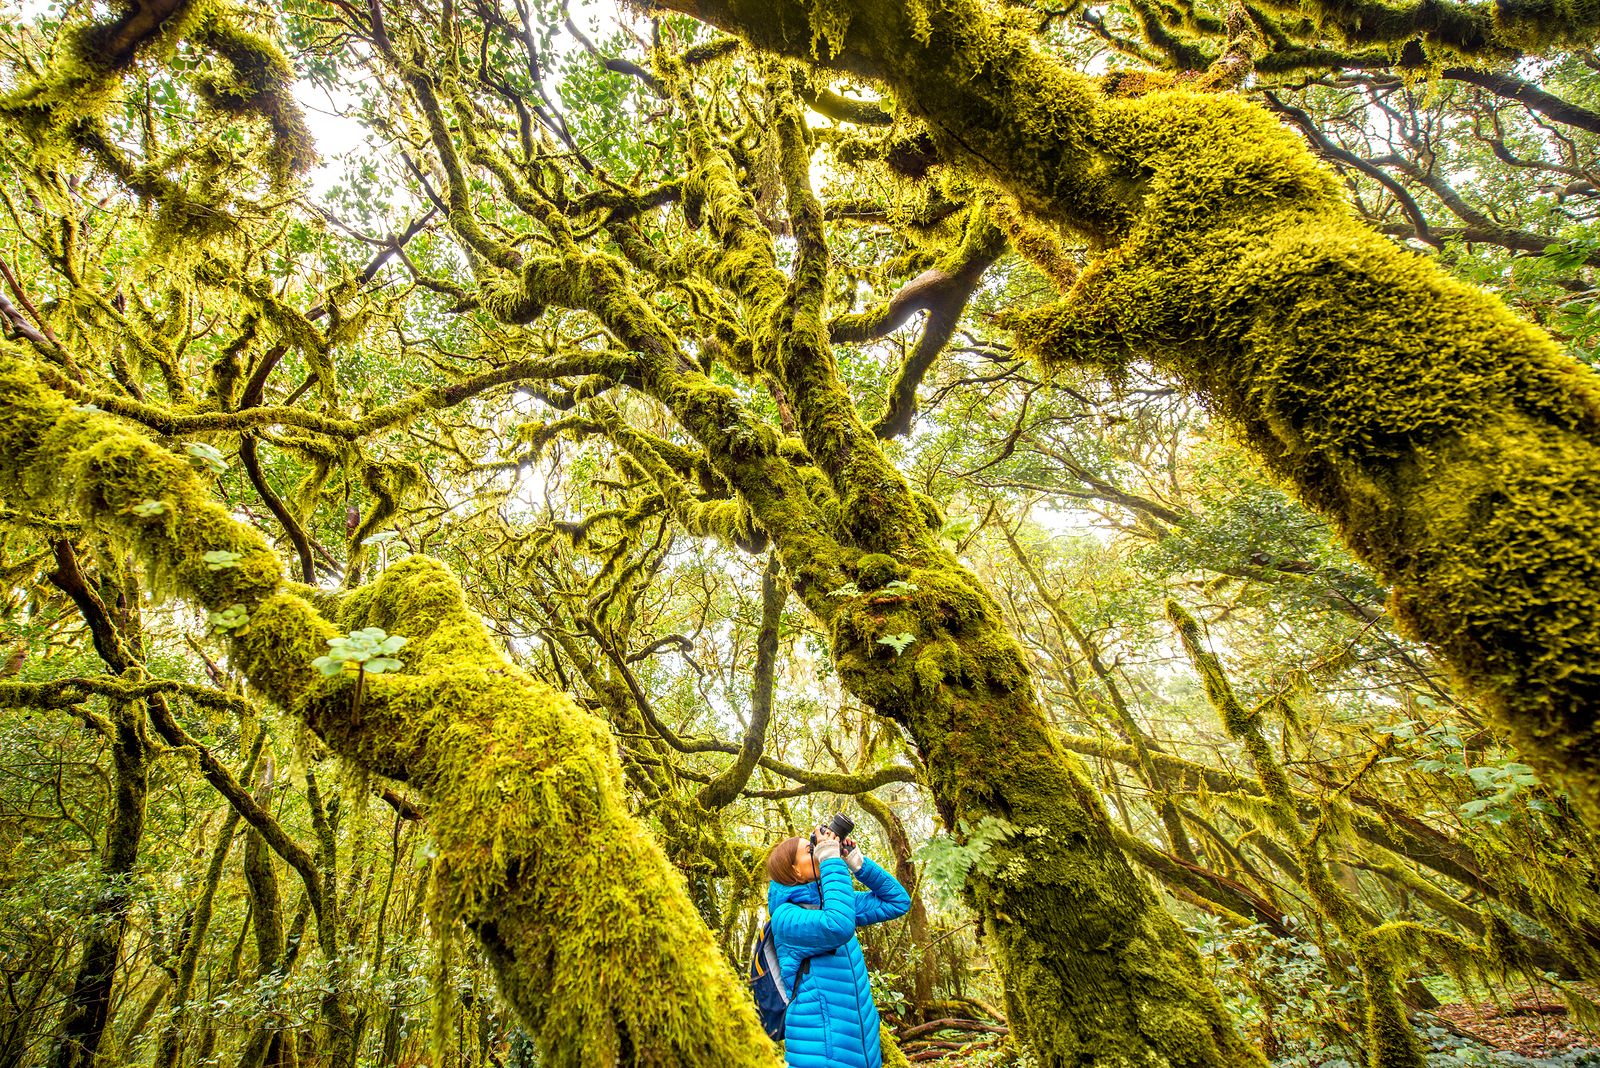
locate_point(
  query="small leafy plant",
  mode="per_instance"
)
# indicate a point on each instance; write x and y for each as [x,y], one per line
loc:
[957,528]
[149,509]
[206,456]
[947,860]
[221,559]
[897,642]
[370,649]
[1440,750]
[233,618]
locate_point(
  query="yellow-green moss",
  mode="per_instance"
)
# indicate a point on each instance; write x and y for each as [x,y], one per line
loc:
[589,928]
[1359,373]
[63,108]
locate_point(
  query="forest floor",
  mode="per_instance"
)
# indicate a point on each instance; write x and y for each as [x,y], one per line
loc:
[1534,1023]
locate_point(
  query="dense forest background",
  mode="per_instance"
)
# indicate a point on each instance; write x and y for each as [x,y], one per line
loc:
[474,475]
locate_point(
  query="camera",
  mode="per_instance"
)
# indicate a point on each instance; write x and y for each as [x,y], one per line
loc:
[840,825]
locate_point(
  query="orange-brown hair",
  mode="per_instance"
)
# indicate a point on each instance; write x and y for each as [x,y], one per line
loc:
[781,862]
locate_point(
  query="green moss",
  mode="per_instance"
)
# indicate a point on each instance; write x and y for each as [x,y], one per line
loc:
[585,921]
[1095,970]
[893,1056]
[63,109]
[1454,447]
[875,570]
[1359,373]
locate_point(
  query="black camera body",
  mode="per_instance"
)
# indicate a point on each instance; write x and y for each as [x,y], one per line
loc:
[840,825]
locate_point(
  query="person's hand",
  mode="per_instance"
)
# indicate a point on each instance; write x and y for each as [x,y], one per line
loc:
[827,846]
[853,855]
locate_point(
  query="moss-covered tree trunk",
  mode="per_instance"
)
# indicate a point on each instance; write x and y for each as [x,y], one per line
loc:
[588,927]
[268,1046]
[1096,971]
[1453,446]
[919,989]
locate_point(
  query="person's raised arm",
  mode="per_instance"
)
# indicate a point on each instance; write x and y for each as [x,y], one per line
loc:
[884,898]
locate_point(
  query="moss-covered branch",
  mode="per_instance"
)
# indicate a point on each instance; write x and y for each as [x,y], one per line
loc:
[169,421]
[537,854]
[249,76]
[1455,448]
[725,787]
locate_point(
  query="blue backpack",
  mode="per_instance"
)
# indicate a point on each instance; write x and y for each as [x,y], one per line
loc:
[766,983]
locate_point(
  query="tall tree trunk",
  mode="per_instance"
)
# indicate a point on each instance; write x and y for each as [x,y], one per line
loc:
[111,616]
[338,1039]
[905,870]
[1096,971]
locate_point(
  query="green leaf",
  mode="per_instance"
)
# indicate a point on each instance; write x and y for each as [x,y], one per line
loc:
[897,642]
[149,509]
[849,589]
[206,456]
[367,649]
[958,527]
[1566,257]
[899,586]
[234,617]
[221,559]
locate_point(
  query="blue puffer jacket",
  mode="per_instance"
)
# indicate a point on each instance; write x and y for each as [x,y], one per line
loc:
[832,1022]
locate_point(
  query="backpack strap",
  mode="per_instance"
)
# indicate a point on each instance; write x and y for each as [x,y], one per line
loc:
[805,962]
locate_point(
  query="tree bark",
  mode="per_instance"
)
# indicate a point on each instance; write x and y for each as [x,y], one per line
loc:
[905,870]
[88,1008]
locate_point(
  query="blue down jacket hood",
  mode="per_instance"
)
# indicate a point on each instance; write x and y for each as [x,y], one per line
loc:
[832,1022]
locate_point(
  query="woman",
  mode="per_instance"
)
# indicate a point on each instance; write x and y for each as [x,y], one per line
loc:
[831,1022]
